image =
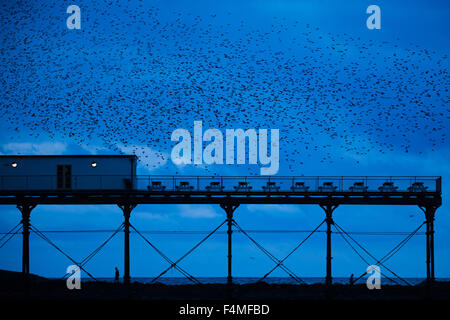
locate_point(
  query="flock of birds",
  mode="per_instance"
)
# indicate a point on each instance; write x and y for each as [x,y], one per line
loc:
[133,74]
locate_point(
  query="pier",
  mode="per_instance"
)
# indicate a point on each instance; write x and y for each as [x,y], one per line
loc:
[228,192]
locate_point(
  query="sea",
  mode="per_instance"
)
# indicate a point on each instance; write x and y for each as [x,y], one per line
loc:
[271,280]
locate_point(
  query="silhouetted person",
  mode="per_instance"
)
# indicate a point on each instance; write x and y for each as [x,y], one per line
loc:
[351,280]
[116,276]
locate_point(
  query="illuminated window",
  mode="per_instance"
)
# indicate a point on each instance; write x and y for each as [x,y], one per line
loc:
[93,164]
[14,164]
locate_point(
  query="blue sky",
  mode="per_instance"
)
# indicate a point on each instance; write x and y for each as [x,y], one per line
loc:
[72,92]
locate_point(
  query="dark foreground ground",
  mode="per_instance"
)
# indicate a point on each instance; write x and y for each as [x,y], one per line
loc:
[14,287]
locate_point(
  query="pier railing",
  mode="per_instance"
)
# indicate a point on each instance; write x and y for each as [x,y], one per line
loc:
[226,184]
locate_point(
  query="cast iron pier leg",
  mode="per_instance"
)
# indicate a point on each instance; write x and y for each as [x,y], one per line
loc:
[229,209]
[429,216]
[25,209]
[329,221]
[126,208]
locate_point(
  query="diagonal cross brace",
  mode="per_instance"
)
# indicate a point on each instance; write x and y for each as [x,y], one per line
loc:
[189,252]
[359,255]
[97,250]
[172,264]
[40,234]
[386,256]
[292,251]
[271,256]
